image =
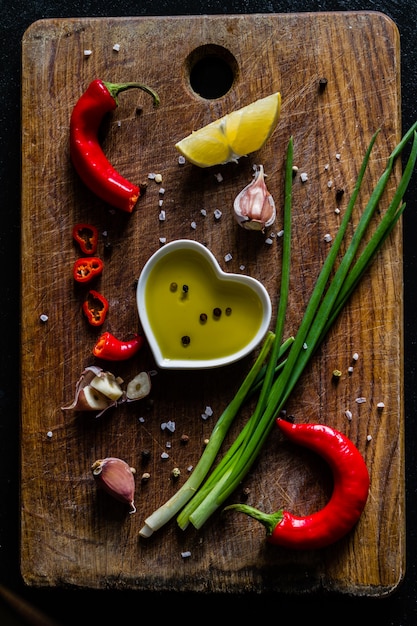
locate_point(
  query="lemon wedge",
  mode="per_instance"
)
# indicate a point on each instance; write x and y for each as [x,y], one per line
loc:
[234,135]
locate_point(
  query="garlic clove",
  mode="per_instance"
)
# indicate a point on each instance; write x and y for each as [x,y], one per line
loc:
[254,207]
[117,479]
[107,384]
[139,387]
[87,397]
[90,399]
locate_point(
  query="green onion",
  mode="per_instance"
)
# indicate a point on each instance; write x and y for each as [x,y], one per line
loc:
[168,510]
[277,379]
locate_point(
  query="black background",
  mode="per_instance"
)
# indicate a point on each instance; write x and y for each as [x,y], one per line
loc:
[105,607]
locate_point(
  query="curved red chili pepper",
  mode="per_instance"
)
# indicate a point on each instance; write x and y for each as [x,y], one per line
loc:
[87,156]
[110,348]
[343,510]
[95,308]
[87,268]
[86,236]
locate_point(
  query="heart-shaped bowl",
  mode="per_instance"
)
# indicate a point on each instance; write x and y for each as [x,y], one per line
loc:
[195,315]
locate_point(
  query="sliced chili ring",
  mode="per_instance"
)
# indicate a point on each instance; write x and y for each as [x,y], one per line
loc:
[95,308]
[87,268]
[86,237]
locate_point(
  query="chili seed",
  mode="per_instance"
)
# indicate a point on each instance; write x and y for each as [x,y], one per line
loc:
[217,312]
[203,317]
[185,288]
[228,310]
[173,286]
[185,340]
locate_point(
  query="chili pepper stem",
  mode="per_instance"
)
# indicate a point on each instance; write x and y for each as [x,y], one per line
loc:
[269,520]
[115,88]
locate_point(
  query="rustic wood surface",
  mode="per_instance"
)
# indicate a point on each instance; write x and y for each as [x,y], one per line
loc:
[70,533]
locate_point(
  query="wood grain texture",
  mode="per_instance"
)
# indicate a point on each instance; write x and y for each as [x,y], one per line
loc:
[70,533]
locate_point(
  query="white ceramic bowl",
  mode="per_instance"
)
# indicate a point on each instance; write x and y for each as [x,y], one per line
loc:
[194,314]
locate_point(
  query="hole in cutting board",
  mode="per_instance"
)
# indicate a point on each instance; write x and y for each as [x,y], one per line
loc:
[212,71]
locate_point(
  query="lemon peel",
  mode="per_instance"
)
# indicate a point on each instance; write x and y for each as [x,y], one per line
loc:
[234,135]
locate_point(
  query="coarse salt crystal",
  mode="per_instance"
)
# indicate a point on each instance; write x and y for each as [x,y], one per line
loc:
[151,176]
[360,400]
[327,237]
[217,214]
[49,434]
[119,124]
[368,437]
[162,239]
[350,369]
[304,177]
[219,177]
[88,53]
[337,211]
[116,47]
[186,554]
[380,405]
[228,257]
[348,414]
[141,420]
[164,455]
[162,216]
[181,160]
[330,184]
[355,356]
[242,267]
[305,346]
[190,468]
[43,317]
[208,411]
[280,233]
[193,225]
[269,241]
[338,156]
[168,445]
[203,212]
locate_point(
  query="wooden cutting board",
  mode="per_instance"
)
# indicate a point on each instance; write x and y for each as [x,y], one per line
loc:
[70,533]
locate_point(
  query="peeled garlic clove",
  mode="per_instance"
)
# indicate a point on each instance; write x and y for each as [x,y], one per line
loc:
[87,397]
[139,387]
[91,399]
[117,479]
[107,384]
[254,207]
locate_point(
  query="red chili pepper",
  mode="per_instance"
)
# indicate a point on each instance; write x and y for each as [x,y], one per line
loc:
[86,236]
[87,155]
[112,349]
[87,268]
[95,308]
[343,510]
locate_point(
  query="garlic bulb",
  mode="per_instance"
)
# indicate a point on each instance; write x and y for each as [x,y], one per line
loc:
[254,207]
